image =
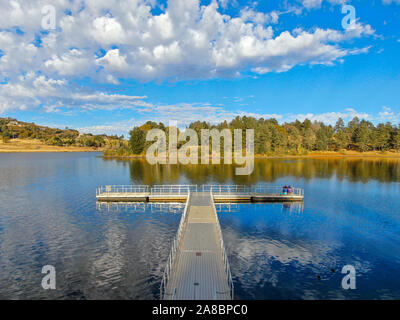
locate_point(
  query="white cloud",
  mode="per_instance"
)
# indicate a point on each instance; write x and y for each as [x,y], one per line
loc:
[32,91]
[111,40]
[391,1]
[330,117]
[388,115]
[106,30]
[69,64]
[257,17]
[311,4]
[114,61]
[186,41]
[224,3]
[114,129]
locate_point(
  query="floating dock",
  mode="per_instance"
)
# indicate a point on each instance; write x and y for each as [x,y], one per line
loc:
[197,267]
[179,193]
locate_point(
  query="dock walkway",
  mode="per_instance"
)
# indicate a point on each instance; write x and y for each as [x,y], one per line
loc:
[199,270]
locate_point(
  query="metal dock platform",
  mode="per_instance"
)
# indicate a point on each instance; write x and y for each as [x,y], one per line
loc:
[197,267]
[179,193]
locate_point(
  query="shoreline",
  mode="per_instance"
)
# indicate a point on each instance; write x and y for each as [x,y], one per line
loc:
[392,155]
[50,151]
[333,154]
[55,149]
[47,151]
[36,146]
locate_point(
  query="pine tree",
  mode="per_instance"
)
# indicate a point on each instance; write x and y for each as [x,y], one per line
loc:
[324,137]
[383,136]
[339,126]
[396,140]
[362,136]
[342,137]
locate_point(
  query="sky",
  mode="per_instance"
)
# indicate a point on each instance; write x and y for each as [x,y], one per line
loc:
[104,66]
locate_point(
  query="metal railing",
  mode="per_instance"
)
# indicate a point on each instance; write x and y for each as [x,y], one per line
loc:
[122,189]
[173,189]
[185,188]
[266,189]
[142,207]
[242,189]
[172,254]
[227,268]
[226,189]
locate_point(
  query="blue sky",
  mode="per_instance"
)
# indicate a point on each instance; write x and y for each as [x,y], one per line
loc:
[109,66]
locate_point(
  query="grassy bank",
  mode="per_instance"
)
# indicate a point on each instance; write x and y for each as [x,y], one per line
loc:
[34,145]
[344,153]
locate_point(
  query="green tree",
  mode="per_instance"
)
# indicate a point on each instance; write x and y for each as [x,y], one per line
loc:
[339,126]
[342,137]
[396,140]
[362,136]
[383,136]
[279,138]
[342,140]
[309,139]
[137,140]
[262,139]
[295,139]
[352,127]
[324,137]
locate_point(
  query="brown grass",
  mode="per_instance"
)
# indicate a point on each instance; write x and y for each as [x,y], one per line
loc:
[341,153]
[33,145]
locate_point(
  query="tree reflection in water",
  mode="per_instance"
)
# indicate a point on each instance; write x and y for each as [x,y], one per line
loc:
[266,170]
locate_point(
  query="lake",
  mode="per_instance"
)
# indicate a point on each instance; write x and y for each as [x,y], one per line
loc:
[49,216]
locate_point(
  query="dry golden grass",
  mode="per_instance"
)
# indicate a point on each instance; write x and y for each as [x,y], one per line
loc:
[342,153]
[350,153]
[32,145]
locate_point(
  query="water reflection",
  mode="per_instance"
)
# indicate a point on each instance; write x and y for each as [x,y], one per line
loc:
[269,170]
[134,207]
[281,252]
[177,208]
[49,215]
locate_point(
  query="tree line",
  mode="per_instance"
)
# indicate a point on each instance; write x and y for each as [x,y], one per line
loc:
[293,138]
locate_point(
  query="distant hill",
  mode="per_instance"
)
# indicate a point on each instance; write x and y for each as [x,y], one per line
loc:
[13,129]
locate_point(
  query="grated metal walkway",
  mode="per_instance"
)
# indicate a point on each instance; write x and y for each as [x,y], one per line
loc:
[199,270]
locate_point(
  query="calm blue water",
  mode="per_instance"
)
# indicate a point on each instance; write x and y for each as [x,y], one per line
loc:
[48,215]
